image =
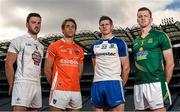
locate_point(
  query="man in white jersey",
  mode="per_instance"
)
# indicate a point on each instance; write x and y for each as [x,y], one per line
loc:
[108,55]
[27,52]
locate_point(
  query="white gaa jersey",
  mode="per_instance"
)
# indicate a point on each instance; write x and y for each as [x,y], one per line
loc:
[107,55]
[29,57]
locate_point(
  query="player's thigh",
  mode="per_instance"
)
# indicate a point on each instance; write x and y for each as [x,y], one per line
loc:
[37,99]
[96,94]
[158,95]
[22,94]
[59,99]
[114,93]
[76,101]
[138,97]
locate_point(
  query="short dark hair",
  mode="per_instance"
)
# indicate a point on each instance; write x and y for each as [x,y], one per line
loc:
[66,20]
[32,15]
[145,9]
[105,18]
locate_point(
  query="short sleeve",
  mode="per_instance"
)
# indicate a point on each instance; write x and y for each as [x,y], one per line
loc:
[51,52]
[122,48]
[92,51]
[165,42]
[14,46]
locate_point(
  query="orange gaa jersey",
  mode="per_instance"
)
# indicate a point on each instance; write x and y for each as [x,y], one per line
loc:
[66,57]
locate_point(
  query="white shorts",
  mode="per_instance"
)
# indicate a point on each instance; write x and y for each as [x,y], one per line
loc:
[27,95]
[65,99]
[152,95]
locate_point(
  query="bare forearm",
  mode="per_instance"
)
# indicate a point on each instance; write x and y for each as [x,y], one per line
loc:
[80,75]
[48,76]
[10,74]
[125,74]
[169,72]
[93,63]
[48,69]
[125,69]
[80,70]
[10,60]
[169,64]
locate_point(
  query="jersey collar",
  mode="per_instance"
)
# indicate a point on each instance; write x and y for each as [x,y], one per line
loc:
[29,37]
[67,42]
[108,38]
[152,30]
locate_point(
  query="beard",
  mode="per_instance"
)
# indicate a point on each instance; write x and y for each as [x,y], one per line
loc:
[34,31]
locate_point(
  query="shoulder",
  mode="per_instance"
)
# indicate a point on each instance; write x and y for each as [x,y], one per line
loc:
[118,40]
[159,33]
[19,40]
[55,44]
[161,36]
[17,44]
[136,39]
[97,42]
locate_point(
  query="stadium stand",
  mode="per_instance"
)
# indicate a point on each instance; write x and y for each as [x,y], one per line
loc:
[85,39]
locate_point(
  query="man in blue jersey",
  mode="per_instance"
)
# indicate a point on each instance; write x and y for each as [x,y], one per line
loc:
[111,69]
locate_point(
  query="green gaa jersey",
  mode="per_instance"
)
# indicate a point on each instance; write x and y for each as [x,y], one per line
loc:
[149,59]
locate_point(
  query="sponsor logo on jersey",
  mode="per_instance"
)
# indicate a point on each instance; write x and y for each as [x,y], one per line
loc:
[28,44]
[106,54]
[104,46]
[150,40]
[97,46]
[36,56]
[141,55]
[76,52]
[68,61]
[112,46]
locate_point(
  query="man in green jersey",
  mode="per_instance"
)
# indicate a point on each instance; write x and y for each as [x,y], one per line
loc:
[154,65]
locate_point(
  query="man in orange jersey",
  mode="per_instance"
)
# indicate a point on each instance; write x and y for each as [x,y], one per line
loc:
[63,69]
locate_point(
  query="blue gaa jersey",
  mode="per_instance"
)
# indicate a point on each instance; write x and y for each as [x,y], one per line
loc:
[107,55]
